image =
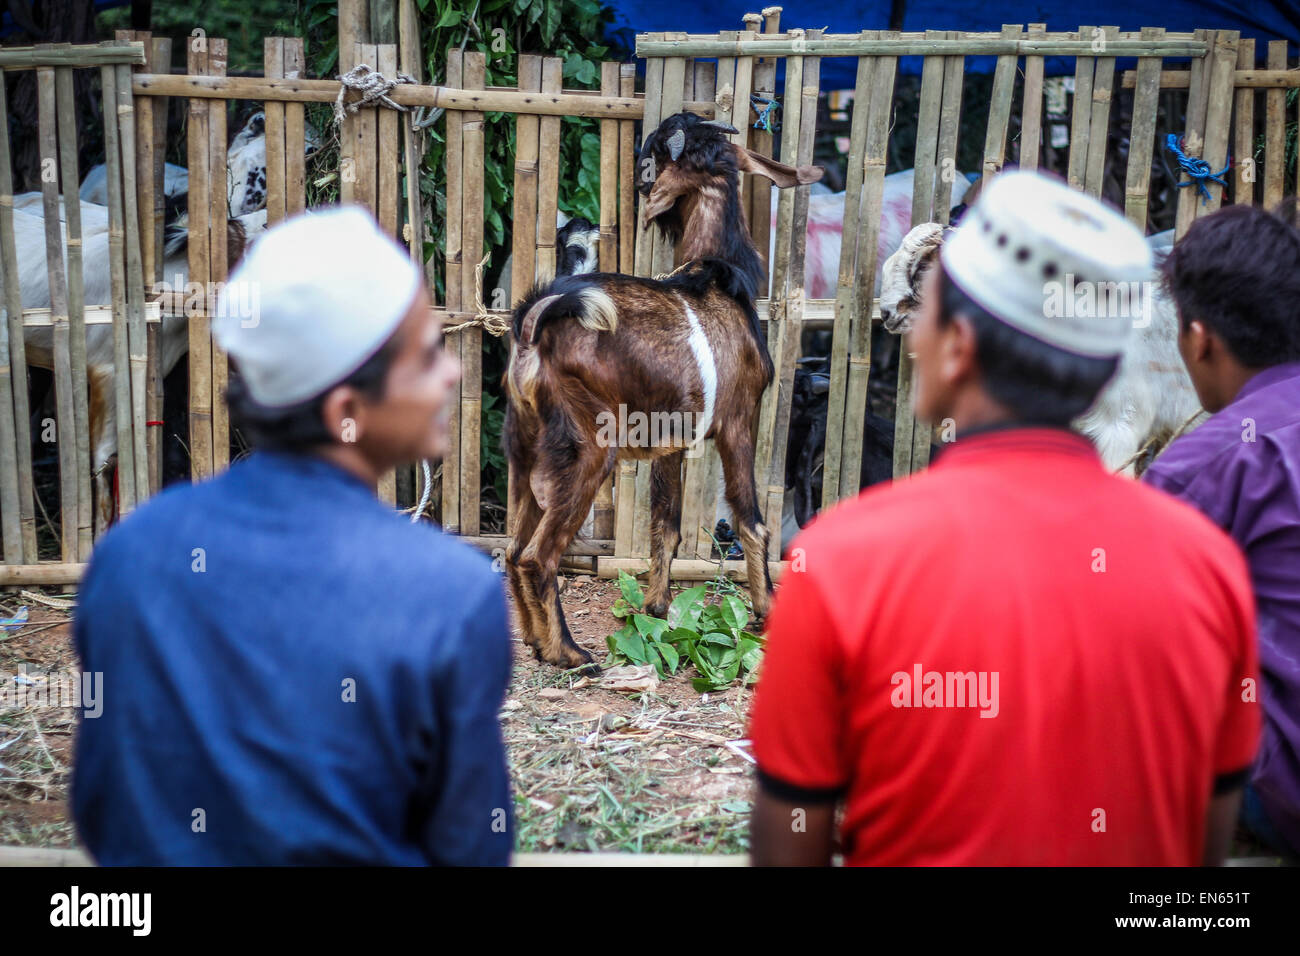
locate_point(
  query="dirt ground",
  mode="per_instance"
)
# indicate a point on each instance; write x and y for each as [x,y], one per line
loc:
[593,769]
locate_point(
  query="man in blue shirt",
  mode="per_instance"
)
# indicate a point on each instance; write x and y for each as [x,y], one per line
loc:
[293,673]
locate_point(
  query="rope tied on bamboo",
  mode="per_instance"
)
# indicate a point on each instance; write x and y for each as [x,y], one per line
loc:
[373,86]
[493,324]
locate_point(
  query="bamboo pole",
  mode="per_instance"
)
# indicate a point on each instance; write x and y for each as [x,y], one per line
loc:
[201,457]
[1146,106]
[16,494]
[1243,183]
[451,469]
[548,172]
[69,466]
[1194,135]
[1081,115]
[524,248]
[366,125]
[626,176]
[66,117]
[70,55]
[125,421]
[1031,110]
[273,66]
[927,137]
[1270,79]
[834,465]
[217,219]
[351,17]
[295,133]
[1004,83]
[1218,113]
[684,569]
[954,69]
[916,44]
[387,186]
[1103,84]
[603,514]
[663,258]
[471,339]
[1274,129]
[760,223]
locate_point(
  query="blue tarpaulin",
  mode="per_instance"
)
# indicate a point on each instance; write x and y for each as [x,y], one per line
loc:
[1265,20]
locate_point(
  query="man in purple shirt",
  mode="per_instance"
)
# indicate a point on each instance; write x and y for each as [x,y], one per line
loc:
[1235,278]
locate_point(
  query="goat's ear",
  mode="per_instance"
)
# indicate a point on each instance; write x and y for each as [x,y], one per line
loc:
[670,184]
[780,174]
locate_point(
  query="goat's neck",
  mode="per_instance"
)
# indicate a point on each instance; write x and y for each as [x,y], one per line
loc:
[705,217]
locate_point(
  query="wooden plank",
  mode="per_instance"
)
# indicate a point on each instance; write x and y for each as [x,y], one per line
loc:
[367,128]
[1103,83]
[200,353]
[916,44]
[760,209]
[1004,83]
[1194,135]
[1274,129]
[17,517]
[471,339]
[1243,148]
[663,258]
[1031,110]
[524,249]
[387,184]
[273,66]
[1146,106]
[927,136]
[217,219]
[452,237]
[56,275]
[626,176]
[603,508]
[548,172]
[645,234]
[153,213]
[1081,115]
[846,298]
[954,69]
[66,116]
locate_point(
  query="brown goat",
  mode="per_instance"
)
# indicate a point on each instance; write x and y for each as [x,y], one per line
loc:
[587,351]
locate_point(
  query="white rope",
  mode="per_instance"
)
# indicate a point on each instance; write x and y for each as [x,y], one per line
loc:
[428,492]
[373,87]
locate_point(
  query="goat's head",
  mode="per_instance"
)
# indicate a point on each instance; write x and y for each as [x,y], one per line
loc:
[688,157]
[903,274]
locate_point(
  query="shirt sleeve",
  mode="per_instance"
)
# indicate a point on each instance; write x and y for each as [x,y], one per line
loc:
[797,724]
[1239,730]
[472,821]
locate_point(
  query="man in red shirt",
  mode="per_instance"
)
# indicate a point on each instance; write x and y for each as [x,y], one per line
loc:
[1014,658]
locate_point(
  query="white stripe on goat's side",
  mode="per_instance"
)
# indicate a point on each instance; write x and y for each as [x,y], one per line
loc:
[708,370]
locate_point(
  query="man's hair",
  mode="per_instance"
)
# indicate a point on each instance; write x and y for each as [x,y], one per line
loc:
[1238,271]
[299,427]
[1040,383]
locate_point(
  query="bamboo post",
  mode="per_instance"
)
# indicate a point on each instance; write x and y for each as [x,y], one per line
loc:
[69,466]
[273,66]
[1031,110]
[548,172]
[353,21]
[663,258]
[66,117]
[626,175]
[451,470]
[17,504]
[201,457]
[603,514]
[761,188]
[471,339]
[295,133]
[125,420]
[927,136]
[1146,105]
[1243,183]
[1274,129]
[410,63]
[834,463]
[651,117]
[1081,115]
[367,141]
[386,186]
[1004,83]
[954,69]
[218,216]
[1103,84]
[1198,93]
[1218,113]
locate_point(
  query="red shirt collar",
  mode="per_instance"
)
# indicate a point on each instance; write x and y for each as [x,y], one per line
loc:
[1014,437]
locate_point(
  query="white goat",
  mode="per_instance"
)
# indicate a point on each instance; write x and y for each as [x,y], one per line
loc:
[1149,400]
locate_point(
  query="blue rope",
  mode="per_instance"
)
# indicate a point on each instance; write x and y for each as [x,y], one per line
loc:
[764,121]
[1197,169]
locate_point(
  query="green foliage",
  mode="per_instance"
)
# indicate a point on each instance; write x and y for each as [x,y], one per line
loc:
[243,23]
[711,636]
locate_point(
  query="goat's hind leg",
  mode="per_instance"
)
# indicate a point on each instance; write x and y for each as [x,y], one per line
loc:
[736,448]
[665,528]
[527,516]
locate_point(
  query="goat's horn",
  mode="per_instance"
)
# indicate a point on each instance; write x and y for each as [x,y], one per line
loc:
[676,143]
[725,127]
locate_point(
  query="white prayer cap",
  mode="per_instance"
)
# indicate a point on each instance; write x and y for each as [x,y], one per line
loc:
[312,301]
[1030,243]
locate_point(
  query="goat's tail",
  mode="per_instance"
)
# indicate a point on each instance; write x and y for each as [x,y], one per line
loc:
[567,297]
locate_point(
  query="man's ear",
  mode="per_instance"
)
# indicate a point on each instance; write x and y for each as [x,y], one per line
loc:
[780,174]
[343,414]
[1200,340]
[957,350]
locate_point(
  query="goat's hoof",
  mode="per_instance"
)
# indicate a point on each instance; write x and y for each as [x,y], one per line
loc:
[657,609]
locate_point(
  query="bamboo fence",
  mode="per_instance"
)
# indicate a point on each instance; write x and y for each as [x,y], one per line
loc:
[713,75]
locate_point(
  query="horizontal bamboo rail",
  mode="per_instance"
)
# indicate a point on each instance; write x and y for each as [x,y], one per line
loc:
[31,58]
[95,315]
[46,572]
[327,91]
[1251,79]
[579,547]
[916,44]
[684,569]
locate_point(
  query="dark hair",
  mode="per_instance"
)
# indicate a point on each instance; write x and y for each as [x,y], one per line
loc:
[299,427]
[1039,383]
[1238,271]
